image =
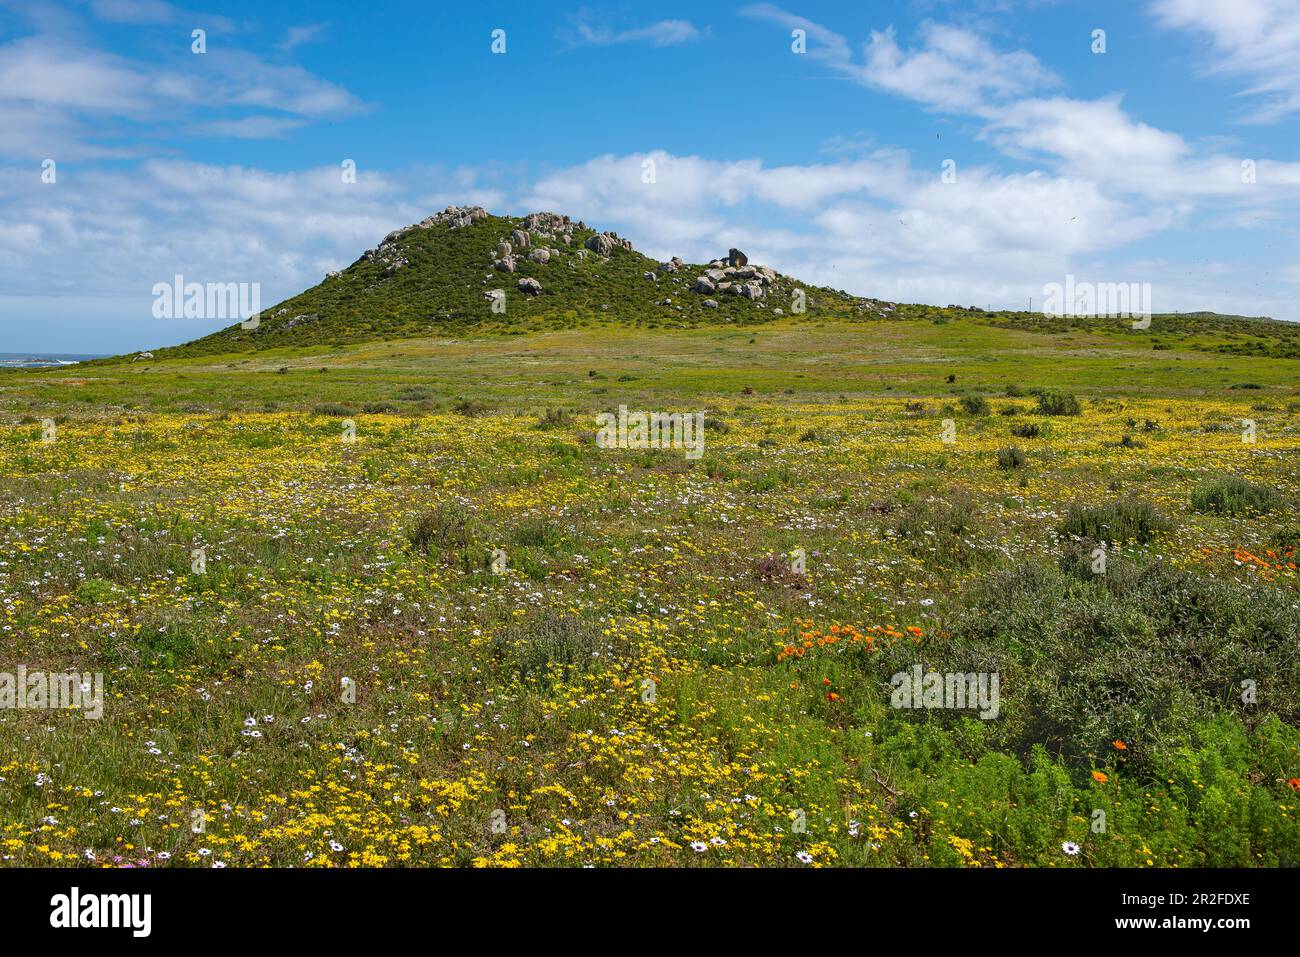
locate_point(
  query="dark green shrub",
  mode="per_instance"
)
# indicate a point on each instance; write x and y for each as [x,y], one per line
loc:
[1011,457]
[555,419]
[1140,657]
[1052,402]
[1233,495]
[537,531]
[440,530]
[819,436]
[552,645]
[1126,520]
[471,408]
[333,409]
[943,531]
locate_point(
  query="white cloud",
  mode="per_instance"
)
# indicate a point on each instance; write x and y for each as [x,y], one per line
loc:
[63,97]
[874,225]
[297,36]
[661,33]
[1255,39]
[953,70]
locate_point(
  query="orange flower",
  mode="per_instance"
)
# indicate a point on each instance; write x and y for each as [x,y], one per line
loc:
[1121,746]
[1100,777]
[793,685]
[914,630]
[1294,783]
[832,696]
[826,681]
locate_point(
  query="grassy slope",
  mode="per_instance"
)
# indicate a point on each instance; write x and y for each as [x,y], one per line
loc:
[817,361]
[440,291]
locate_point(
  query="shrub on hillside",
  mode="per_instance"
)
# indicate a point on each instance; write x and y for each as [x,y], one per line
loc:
[1126,520]
[1233,495]
[1140,657]
[1052,402]
[555,419]
[439,531]
[942,531]
[471,408]
[551,645]
[1011,457]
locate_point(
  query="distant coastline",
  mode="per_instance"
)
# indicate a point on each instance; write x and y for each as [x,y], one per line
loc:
[10,360]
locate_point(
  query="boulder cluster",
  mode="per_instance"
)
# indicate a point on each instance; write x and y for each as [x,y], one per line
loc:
[539,228]
[733,276]
[457,217]
[602,244]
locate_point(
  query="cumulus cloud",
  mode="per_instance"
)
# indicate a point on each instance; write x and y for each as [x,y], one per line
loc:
[953,69]
[950,69]
[59,94]
[1258,40]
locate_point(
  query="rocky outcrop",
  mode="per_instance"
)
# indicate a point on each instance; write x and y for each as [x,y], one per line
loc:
[548,223]
[602,244]
[734,276]
[529,286]
[541,255]
[457,217]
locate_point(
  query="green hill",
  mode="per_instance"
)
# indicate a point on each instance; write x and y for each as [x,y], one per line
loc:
[464,272]
[436,278]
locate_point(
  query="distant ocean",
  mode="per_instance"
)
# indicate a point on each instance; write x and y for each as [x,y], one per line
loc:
[9,359]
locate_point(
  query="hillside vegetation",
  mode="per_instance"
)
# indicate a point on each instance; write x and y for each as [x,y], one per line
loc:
[437,278]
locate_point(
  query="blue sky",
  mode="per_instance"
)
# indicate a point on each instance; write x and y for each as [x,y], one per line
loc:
[1115,166]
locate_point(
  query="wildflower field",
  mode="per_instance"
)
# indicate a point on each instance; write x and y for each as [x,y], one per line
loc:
[462,634]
